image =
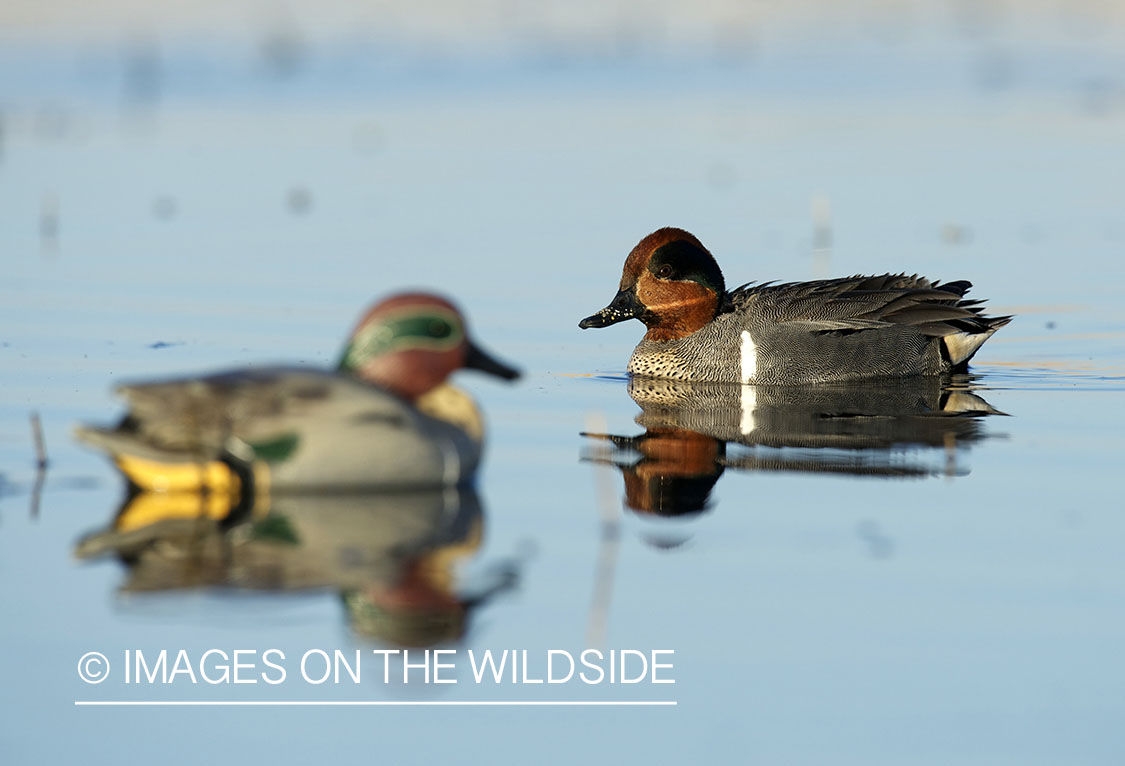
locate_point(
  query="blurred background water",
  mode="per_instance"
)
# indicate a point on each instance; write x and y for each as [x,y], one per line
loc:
[185,187]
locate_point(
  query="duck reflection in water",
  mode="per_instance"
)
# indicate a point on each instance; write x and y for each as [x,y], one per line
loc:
[392,556]
[696,431]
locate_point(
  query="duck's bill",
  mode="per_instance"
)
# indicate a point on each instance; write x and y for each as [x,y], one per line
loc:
[477,359]
[623,306]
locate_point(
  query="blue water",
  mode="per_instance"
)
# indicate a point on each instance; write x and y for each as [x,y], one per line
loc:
[970,614]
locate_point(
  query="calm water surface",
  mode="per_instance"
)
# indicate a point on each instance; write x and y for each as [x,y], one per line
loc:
[905,585]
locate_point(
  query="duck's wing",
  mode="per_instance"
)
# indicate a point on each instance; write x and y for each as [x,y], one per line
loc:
[201,417]
[859,303]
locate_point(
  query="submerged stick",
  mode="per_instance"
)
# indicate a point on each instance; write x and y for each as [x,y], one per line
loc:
[598,626]
[37,439]
[40,463]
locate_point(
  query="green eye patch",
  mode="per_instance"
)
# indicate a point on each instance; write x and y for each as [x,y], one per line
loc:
[431,330]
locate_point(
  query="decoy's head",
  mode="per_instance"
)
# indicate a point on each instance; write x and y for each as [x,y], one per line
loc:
[670,282]
[411,342]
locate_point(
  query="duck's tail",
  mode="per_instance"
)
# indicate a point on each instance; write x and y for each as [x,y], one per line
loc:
[215,476]
[151,469]
[960,346]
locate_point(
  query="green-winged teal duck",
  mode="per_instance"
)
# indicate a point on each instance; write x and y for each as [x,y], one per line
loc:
[888,326]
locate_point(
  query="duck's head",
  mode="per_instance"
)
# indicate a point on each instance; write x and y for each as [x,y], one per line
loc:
[670,282]
[411,342]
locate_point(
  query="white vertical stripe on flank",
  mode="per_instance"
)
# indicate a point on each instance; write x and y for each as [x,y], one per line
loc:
[749,399]
[749,358]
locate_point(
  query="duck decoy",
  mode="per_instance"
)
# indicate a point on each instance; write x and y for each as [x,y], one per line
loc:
[385,417]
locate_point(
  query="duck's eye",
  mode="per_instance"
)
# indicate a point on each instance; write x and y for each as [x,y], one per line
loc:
[664,272]
[438,329]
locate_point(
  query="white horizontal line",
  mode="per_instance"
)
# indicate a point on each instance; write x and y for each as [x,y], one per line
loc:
[378,703]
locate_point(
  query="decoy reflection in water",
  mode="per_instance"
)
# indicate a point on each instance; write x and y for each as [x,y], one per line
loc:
[384,418]
[391,556]
[695,431]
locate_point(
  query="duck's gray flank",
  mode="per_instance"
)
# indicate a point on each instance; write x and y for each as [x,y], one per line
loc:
[892,325]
